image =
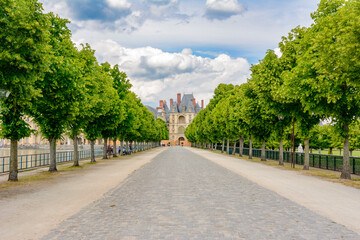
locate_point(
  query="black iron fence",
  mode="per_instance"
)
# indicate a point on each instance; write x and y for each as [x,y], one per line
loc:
[330,162]
[43,159]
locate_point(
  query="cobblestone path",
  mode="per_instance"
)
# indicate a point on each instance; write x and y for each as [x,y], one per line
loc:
[180,195]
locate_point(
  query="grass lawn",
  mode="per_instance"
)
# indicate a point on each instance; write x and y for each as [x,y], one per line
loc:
[355,153]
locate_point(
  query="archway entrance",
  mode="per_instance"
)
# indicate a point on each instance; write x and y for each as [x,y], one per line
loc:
[181,141]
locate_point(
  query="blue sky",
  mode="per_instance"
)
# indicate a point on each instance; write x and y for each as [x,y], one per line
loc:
[171,46]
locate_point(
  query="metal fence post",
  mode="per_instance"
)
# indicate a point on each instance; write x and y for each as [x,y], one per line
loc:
[353,160]
[327,162]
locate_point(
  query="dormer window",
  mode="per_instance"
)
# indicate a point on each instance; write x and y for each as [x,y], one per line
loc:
[190,109]
[183,108]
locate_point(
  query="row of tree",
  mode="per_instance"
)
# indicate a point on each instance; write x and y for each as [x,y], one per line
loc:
[62,88]
[316,77]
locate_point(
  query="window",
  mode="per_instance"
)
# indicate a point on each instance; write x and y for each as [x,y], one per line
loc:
[181,120]
[181,130]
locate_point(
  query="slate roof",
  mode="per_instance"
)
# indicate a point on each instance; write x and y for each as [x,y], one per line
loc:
[152,110]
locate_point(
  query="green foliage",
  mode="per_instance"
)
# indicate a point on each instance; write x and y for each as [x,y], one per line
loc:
[317,77]
[23,53]
[100,93]
[254,114]
[211,123]
[85,87]
[354,133]
[329,66]
[62,84]
[161,130]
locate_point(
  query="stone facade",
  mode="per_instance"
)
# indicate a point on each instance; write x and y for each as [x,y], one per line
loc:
[36,139]
[178,115]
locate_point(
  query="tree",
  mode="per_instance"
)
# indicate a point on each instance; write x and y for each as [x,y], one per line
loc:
[257,117]
[56,108]
[289,93]
[100,92]
[238,124]
[221,118]
[23,53]
[266,78]
[161,129]
[354,136]
[329,67]
[85,89]
[222,91]
[131,123]
[122,85]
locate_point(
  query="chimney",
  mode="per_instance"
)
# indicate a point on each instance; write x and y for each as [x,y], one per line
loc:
[178,99]
[161,104]
[171,102]
[193,100]
[202,104]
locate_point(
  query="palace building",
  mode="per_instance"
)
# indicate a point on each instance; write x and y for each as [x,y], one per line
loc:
[178,115]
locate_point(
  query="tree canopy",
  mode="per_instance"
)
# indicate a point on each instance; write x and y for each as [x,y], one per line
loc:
[316,77]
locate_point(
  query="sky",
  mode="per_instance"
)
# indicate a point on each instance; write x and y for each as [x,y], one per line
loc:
[182,46]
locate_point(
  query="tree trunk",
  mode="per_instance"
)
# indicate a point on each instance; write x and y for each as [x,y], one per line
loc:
[281,153]
[234,149]
[223,145]
[92,151]
[76,151]
[52,167]
[340,152]
[293,144]
[105,149]
[345,173]
[228,147]
[330,152]
[122,147]
[215,146]
[241,145]
[311,150]
[263,153]
[115,150]
[127,146]
[307,156]
[250,147]
[13,171]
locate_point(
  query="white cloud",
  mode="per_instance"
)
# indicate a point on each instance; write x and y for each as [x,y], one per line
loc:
[171,24]
[187,51]
[119,4]
[223,9]
[157,74]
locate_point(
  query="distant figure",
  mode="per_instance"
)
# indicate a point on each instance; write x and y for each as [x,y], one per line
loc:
[300,149]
